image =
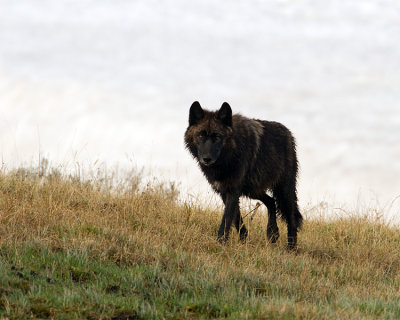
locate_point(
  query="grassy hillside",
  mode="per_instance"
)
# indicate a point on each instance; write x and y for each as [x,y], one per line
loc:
[73,249]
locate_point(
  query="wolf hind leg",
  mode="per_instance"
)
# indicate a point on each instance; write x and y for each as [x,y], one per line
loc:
[287,204]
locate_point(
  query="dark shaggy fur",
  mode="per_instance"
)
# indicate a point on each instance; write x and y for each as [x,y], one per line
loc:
[246,157]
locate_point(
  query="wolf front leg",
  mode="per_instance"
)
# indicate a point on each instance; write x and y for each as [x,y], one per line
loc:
[231,201]
[240,227]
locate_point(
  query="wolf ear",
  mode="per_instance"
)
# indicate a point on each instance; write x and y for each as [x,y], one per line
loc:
[196,113]
[225,114]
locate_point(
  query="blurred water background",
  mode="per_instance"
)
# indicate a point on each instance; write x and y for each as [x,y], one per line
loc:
[109,83]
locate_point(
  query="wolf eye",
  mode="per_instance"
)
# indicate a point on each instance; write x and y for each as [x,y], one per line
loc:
[217,137]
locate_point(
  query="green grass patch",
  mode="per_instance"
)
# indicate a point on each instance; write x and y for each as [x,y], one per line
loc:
[43,283]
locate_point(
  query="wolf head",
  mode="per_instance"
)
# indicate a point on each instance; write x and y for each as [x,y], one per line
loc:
[208,132]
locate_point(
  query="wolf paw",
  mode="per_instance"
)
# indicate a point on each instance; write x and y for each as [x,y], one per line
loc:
[222,239]
[272,234]
[243,233]
[292,244]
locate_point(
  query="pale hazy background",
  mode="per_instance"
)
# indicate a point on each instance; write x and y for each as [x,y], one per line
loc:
[109,83]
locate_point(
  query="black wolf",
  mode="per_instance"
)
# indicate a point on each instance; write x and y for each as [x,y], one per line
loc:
[246,157]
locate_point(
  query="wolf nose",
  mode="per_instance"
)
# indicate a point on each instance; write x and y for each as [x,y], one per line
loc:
[207,160]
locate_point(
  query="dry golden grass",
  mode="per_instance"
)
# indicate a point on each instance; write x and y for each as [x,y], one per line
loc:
[345,268]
